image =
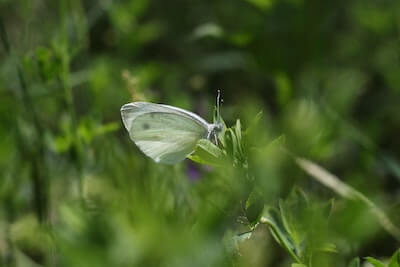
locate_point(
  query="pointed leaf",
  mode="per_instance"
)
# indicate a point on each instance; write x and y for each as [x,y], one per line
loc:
[207,153]
[238,132]
[272,218]
[375,262]
[354,263]
[328,247]
[292,210]
[395,260]
[230,143]
[398,257]
[254,123]
[254,206]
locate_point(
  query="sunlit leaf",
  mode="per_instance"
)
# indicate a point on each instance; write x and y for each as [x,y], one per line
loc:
[272,217]
[375,262]
[329,247]
[207,153]
[395,259]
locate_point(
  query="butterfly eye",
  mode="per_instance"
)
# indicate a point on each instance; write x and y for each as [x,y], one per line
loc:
[216,128]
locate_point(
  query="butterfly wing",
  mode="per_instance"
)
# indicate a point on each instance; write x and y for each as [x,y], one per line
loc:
[132,110]
[166,135]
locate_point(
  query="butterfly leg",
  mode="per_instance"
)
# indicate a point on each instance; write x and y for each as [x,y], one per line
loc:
[216,139]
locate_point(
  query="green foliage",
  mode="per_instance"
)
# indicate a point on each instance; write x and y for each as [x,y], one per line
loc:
[393,262]
[375,262]
[297,227]
[207,153]
[355,262]
[300,79]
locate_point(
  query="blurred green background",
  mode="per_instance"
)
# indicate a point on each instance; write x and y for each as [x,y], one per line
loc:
[75,191]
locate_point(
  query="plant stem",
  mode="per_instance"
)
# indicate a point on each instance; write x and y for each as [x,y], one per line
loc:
[69,101]
[69,97]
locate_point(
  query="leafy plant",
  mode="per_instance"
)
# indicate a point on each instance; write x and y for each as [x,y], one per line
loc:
[393,262]
[297,223]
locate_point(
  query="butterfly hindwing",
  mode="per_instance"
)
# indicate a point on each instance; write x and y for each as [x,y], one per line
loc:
[166,137]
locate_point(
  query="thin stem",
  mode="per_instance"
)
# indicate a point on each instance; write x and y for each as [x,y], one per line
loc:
[69,98]
[4,37]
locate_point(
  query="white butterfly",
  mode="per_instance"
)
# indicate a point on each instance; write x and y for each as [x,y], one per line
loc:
[165,133]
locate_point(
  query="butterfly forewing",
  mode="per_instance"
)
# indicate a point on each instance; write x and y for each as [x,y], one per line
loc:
[131,111]
[166,137]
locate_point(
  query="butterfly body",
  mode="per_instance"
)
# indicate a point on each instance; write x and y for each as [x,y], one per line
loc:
[165,133]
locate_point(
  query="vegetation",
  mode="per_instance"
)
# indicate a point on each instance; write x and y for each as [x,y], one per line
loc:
[305,173]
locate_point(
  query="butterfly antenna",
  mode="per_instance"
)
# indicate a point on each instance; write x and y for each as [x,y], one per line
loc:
[219,101]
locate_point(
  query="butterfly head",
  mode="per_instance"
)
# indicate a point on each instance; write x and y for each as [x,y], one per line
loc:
[213,131]
[216,128]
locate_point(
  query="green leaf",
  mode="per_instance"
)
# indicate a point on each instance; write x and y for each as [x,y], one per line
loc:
[272,217]
[291,212]
[395,260]
[230,143]
[298,265]
[375,262]
[238,131]
[354,263]
[207,153]
[398,257]
[328,247]
[279,141]
[328,207]
[221,135]
[273,147]
[238,134]
[254,206]
[254,123]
